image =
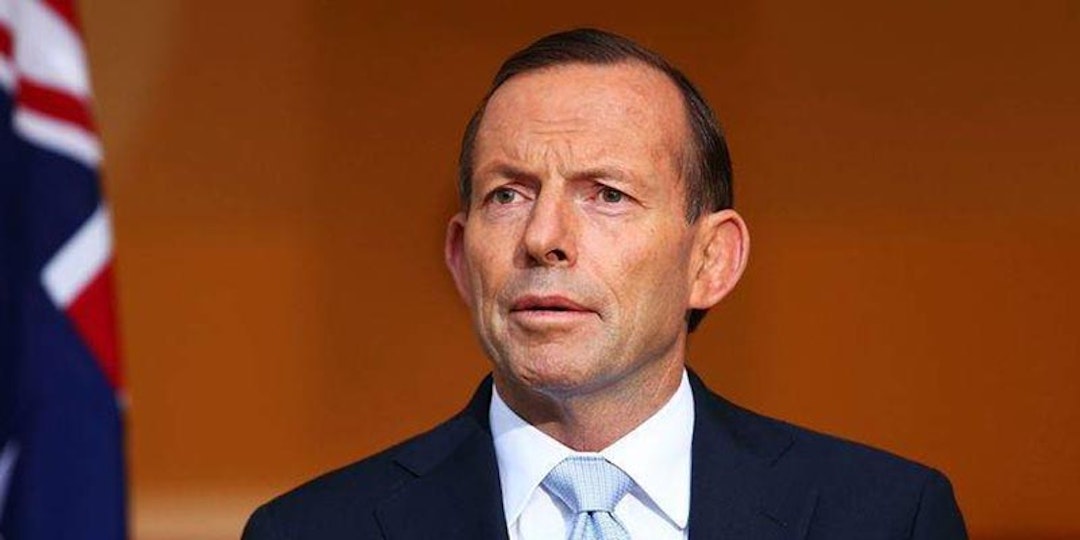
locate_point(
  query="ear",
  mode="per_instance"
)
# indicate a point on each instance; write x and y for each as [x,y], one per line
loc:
[454,253]
[721,250]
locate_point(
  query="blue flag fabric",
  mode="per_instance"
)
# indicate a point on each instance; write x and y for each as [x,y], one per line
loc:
[62,472]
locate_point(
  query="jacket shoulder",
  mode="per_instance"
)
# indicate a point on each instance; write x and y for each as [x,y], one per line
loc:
[342,503]
[859,488]
[801,451]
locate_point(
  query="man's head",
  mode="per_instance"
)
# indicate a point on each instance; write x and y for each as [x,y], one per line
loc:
[596,214]
[706,163]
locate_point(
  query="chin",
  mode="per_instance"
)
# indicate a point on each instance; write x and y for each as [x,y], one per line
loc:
[561,374]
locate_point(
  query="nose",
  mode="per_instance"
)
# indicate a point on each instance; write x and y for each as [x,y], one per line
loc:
[550,234]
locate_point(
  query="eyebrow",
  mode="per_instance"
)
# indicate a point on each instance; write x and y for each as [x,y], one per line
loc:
[617,174]
[507,170]
[503,169]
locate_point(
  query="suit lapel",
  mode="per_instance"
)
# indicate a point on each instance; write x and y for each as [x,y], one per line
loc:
[456,493]
[736,491]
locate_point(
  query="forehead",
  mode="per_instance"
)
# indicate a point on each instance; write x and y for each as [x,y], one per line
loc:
[628,102]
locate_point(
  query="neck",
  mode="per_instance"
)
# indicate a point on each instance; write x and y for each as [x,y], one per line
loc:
[590,421]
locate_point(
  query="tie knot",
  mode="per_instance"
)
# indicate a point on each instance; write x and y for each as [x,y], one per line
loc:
[588,483]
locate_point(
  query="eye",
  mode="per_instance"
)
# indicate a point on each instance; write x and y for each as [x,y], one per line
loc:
[611,195]
[503,196]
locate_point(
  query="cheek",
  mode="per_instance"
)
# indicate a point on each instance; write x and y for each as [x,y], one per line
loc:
[646,271]
[655,249]
[490,260]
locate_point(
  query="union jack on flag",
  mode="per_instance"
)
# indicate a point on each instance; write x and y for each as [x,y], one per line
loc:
[61,424]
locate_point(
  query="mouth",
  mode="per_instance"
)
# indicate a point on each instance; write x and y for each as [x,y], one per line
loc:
[547,304]
[535,313]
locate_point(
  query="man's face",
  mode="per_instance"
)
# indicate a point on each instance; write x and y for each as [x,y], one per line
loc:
[575,257]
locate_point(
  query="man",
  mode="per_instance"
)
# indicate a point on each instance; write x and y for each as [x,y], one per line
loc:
[596,229]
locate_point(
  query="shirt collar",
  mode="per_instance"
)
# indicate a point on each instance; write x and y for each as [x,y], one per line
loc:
[656,454]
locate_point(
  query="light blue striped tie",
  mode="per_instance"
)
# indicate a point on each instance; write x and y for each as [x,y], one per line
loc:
[591,487]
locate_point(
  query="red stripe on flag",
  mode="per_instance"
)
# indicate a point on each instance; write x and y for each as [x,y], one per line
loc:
[6,47]
[66,10]
[94,316]
[54,103]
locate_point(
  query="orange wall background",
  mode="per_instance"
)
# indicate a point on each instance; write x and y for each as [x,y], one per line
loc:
[281,172]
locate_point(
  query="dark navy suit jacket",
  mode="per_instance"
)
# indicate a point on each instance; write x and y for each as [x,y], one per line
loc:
[752,478]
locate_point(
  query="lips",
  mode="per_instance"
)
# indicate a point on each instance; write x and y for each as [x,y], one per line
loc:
[550,303]
[538,315]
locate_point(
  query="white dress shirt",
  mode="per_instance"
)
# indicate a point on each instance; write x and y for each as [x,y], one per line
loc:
[656,455]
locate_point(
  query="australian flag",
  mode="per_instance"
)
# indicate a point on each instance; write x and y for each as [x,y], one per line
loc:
[61,425]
